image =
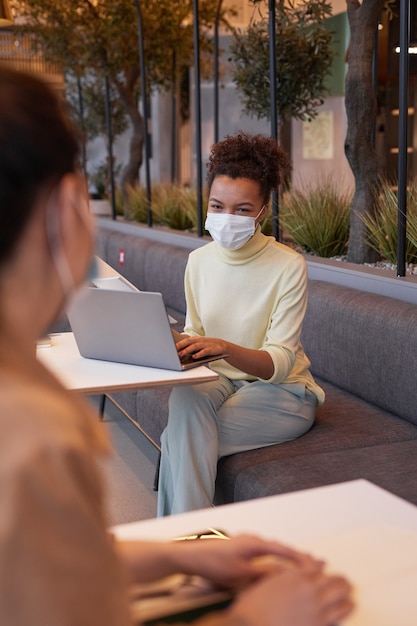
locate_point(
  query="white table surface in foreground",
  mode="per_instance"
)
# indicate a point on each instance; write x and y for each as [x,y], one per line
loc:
[91,376]
[361,531]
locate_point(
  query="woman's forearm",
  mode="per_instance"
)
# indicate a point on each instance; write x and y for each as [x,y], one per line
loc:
[254,362]
[147,561]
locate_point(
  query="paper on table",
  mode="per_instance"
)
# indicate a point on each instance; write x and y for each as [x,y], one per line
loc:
[381,562]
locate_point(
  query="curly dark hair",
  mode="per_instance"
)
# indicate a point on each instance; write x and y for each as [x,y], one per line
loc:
[256,157]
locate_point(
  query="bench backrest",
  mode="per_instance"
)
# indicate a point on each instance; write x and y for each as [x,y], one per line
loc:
[364,343]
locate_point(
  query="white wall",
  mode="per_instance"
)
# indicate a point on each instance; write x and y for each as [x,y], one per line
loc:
[318,146]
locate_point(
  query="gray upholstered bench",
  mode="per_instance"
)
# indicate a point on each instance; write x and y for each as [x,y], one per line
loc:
[363,349]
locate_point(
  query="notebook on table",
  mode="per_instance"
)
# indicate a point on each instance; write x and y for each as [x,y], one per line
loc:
[126,326]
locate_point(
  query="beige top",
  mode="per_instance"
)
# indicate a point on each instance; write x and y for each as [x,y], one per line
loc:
[57,564]
[256,297]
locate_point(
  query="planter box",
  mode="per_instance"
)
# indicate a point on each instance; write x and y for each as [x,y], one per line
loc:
[100,207]
[370,279]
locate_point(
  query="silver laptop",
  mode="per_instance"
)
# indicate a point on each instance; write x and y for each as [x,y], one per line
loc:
[126,326]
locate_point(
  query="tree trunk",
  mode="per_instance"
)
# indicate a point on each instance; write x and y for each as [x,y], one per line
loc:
[361,110]
[130,174]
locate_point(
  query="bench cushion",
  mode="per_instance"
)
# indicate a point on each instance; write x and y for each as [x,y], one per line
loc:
[392,466]
[343,424]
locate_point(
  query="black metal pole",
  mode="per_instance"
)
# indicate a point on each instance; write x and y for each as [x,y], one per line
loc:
[402,135]
[82,123]
[110,142]
[216,71]
[197,101]
[145,112]
[273,98]
[174,118]
[375,75]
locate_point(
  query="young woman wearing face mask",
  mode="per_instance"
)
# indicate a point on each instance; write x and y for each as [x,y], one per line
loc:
[246,297]
[58,563]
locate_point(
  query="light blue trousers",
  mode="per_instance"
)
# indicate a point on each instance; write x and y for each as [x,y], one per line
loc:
[211,420]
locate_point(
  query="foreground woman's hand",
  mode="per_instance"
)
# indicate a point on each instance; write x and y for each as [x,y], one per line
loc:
[291,597]
[235,562]
[230,563]
[275,584]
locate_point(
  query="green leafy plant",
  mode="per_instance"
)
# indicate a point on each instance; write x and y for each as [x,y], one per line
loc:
[317,218]
[304,56]
[98,180]
[382,227]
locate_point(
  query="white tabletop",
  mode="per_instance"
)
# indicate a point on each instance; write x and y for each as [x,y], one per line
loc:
[91,376]
[361,530]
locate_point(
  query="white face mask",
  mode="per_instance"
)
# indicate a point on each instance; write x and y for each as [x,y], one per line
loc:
[231,231]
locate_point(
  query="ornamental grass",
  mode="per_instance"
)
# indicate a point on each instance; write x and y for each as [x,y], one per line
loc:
[317,218]
[383,226]
[173,206]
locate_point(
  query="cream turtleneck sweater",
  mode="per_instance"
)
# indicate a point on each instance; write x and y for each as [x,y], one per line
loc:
[255,297]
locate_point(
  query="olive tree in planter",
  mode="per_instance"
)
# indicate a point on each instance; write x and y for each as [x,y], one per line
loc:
[251,75]
[100,37]
[304,57]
